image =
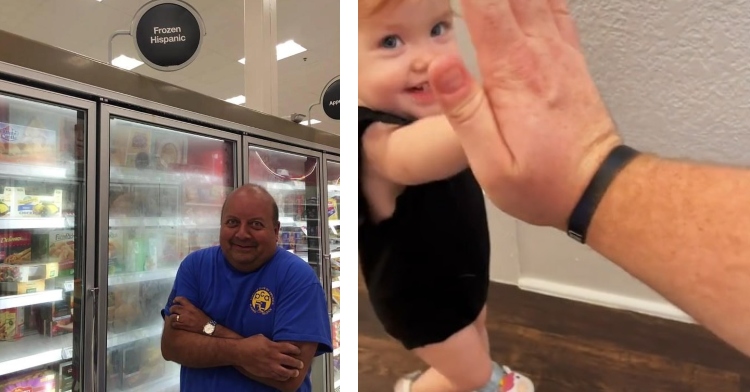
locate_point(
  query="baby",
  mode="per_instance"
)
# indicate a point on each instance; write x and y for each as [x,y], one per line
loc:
[423,235]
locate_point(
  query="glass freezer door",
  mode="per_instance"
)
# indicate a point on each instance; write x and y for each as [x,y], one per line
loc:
[293,181]
[43,242]
[166,190]
[333,216]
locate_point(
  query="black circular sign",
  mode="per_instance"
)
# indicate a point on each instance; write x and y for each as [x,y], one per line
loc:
[168,35]
[331,98]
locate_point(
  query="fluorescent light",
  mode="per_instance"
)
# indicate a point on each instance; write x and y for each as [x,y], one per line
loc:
[238,100]
[312,121]
[284,50]
[126,62]
[288,49]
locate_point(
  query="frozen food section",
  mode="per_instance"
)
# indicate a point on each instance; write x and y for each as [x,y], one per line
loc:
[108,179]
[166,189]
[42,238]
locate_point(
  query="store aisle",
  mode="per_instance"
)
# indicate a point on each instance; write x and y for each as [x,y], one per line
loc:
[568,346]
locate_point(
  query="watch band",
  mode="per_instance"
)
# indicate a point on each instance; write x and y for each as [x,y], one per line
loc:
[579,221]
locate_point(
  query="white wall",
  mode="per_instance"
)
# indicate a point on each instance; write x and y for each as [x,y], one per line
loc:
[676,77]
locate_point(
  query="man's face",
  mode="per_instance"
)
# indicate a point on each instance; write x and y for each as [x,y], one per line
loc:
[248,232]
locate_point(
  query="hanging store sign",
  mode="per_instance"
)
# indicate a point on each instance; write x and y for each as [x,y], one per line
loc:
[168,34]
[331,98]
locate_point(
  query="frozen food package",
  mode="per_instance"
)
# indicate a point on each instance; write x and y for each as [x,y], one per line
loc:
[35,381]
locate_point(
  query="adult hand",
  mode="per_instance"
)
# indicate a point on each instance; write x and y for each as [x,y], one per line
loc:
[185,316]
[269,359]
[537,130]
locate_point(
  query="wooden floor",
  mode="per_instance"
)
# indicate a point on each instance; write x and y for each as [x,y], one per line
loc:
[567,346]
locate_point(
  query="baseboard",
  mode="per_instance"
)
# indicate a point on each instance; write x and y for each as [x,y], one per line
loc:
[600,298]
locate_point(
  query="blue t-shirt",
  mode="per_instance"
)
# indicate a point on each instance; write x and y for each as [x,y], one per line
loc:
[283,300]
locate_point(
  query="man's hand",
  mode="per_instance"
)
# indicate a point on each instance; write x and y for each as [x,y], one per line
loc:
[537,130]
[268,359]
[185,316]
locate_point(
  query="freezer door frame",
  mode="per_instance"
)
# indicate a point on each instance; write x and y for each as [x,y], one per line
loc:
[319,371]
[89,202]
[106,113]
[330,372]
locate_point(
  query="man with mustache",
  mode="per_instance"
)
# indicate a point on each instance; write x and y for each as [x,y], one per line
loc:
[246,315]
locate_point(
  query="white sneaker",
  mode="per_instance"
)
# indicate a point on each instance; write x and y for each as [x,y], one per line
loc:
[514,382]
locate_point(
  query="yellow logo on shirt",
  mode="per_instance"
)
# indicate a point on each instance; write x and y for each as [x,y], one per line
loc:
[261,301]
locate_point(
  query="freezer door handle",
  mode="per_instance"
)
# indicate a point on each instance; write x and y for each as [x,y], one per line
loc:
[327,283]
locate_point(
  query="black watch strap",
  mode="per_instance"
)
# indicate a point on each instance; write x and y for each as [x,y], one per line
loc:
[580,219]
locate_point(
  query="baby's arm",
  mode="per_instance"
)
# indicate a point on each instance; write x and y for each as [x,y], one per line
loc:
[424,151]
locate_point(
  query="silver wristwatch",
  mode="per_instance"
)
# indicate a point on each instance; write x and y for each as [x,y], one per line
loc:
[209,328]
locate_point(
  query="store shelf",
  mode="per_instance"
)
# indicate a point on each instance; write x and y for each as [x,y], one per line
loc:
[284,186]
[38,171]
[37,223]
[161,222]
[145,276]
[33,351]
[161,384]
[42,297]
[114,340]
[335,255]
[159,177]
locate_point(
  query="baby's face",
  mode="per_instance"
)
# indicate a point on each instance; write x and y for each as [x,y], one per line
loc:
[396,48]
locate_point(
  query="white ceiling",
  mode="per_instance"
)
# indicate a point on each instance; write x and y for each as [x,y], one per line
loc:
[84,26]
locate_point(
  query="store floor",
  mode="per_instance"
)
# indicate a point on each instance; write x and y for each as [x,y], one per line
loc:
[568,346]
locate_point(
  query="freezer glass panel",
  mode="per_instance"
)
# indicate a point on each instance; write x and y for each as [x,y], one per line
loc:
[333,174]
[166,192]
[292,180]
[42,210]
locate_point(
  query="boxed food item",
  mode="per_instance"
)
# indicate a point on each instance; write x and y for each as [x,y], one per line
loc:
[123,308]
[116,249]
[65,377]
[58,326]
[14,288]
[55,246]
[333,209]
[15,247]
[11,324]
[142,362]
[27,272]
[33,206]
[40,380]
[28,143]
[114,369]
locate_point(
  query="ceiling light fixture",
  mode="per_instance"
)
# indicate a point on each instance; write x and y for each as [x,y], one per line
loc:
[238,100]
[312,121]
[126,62]
[284,50]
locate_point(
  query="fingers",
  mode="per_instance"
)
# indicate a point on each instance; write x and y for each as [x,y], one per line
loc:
[289,362]
[288,348]
[282,374]
[535,18]
[564,22]
[468,110]
[491,24]
[181,301]
[176,309]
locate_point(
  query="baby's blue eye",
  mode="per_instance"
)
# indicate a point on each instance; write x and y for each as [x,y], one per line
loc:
[390,42]
[439,29]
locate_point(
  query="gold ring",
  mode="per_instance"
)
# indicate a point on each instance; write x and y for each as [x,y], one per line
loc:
[178,318]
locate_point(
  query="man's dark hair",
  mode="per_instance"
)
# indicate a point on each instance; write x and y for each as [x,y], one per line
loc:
[258,188]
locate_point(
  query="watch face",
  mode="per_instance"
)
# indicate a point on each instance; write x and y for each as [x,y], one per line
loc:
[209,329]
